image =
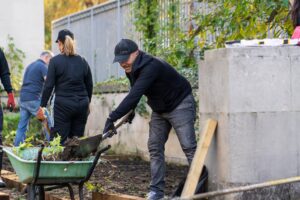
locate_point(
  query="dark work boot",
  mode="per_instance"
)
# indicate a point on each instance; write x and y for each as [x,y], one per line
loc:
[2,184]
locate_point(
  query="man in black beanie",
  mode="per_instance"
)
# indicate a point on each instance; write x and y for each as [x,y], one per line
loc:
[170,97]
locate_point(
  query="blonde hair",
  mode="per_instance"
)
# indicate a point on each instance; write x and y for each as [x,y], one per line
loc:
[69,46]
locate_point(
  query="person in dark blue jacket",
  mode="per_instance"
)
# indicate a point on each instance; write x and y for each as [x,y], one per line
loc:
[30,94]
[5,79]
[170,97]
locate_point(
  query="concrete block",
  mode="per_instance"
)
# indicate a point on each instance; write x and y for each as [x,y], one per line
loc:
[213,86]
[295,83]
[258,85]
[249,80]
[261,145]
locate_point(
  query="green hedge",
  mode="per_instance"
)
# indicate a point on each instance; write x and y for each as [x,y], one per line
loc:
[10,125]
[118,85]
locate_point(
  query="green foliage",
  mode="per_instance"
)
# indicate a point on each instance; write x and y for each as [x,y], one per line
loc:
[15,59]
[51,152]
[247,19]
[112,85]
[146,22]
[26,144]
[94,187]
[54,149]
[10,125]
[141,108]
[191,74]
[177,39]
[163,33]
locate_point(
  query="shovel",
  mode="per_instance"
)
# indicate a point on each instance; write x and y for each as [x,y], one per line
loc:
[90,144]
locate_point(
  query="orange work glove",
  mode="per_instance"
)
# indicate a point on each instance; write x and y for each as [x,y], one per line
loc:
[11,101]
[40,115]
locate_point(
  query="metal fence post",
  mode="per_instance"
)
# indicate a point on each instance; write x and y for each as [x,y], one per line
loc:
[118,26]
[92,40]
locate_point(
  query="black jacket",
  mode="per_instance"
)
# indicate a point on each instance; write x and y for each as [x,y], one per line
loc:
[4,73]
[164,87]
[70,76]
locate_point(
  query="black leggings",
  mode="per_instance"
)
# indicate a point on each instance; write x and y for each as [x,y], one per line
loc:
[70,116]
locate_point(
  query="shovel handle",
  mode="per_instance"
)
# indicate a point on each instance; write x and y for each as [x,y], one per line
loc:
[120,123]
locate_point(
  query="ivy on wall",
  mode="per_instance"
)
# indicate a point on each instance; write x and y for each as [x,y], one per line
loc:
[162,33]
[207,26]
[146,22]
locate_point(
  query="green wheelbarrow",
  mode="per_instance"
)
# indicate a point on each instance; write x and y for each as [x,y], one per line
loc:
[38,174]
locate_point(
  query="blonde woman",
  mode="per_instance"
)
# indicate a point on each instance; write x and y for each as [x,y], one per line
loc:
[70,76]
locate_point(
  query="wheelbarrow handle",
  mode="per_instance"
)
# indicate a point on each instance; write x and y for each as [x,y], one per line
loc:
[38,165]
[119,124]
[103,150]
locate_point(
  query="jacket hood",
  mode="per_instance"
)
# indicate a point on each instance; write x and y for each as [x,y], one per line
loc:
[141,60]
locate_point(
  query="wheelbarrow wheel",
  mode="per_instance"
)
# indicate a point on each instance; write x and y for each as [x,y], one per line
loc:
[41,193]
[35,192]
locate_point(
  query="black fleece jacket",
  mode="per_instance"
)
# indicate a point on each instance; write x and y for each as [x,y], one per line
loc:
[164,87]
[4,73]
[70,76]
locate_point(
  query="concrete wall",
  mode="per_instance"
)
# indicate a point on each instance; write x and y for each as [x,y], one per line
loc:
[24,21]
[254,93]
[131,139]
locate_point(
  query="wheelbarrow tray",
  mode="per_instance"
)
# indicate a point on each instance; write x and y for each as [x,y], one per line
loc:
[50,171]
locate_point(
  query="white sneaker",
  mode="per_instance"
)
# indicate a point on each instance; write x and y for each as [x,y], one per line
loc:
[154,196]
[2,183]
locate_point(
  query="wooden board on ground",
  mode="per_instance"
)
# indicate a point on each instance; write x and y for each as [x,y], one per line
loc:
[4,196]
[101,196]
[199,158]
[12,180]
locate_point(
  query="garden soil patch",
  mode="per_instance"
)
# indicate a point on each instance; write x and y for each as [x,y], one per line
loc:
[118,174]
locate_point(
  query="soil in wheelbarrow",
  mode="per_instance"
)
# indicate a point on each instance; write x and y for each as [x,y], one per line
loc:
[123,175]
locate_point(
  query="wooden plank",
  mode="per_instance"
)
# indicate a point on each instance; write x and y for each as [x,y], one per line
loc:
[246,188]
[12,180]
[49,196]
[199,158]
[101,196]
[4,196]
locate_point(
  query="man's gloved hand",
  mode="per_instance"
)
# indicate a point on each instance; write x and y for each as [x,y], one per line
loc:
[11,101]
[130,117]
[40,115]
[109,127]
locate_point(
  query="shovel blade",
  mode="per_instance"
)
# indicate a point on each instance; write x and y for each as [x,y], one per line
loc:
[87,145]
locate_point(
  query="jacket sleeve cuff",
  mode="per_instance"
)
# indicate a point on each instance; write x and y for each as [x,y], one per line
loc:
[112,116]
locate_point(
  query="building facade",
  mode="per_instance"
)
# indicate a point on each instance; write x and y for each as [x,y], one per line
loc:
[24,21]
